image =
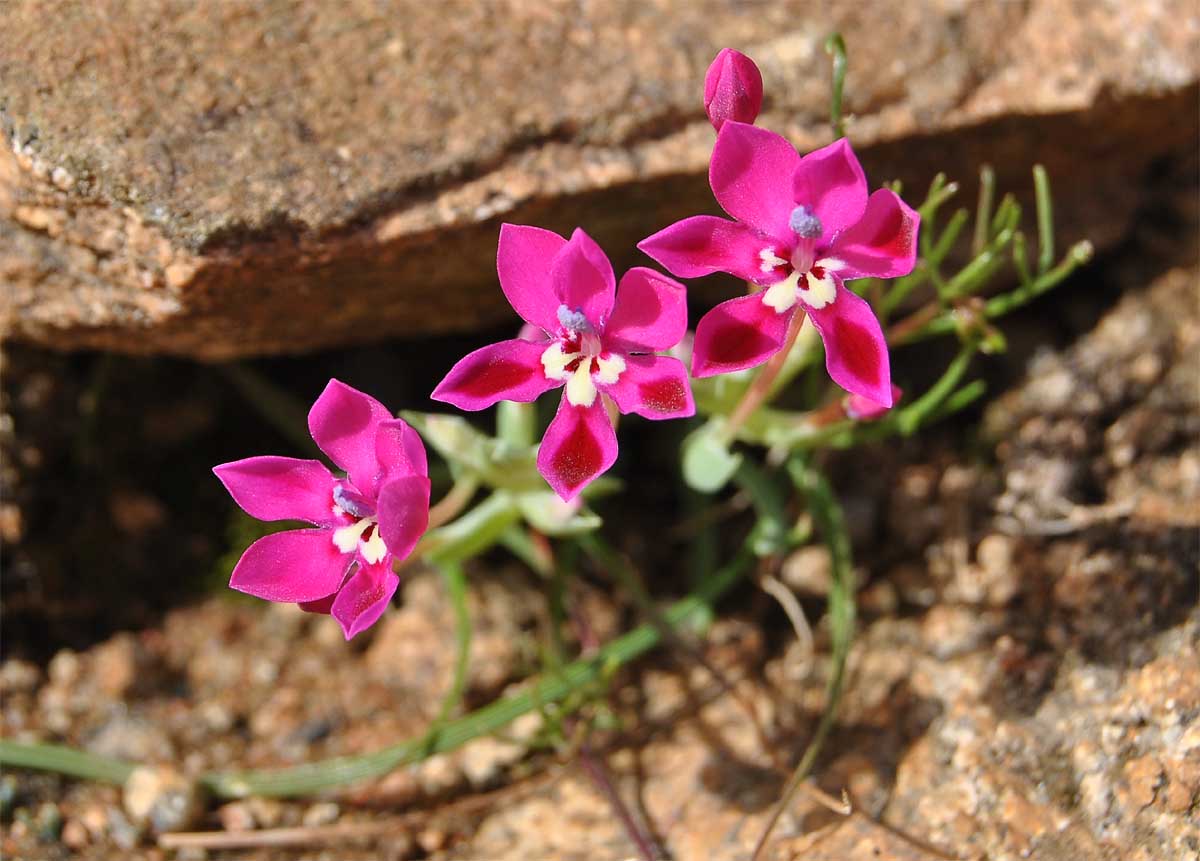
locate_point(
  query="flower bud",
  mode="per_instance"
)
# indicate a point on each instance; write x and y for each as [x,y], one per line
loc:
[733,89]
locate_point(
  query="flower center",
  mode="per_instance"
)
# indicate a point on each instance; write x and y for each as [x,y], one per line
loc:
[809,280]
[578,357]
[361,535]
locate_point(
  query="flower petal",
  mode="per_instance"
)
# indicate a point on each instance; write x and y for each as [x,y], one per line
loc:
[737,334]
[403,513]
[655,387]
[650,312]
[733,89]
[862,409]
[343,422]
[323,606]
[579,445]
[883,244]
[583,278]
[855,350]
[280,488]
[299,565]
[507,371]
[399,451]
[750,172]
[704,244]
[523,260]
[364,598]
[831,182]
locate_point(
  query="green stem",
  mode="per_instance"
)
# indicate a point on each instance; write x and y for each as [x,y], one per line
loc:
[946,323]
[983,213]
[829,519]
[1045,219]
[836,46]
[456,589]
[64,760]
[330,773]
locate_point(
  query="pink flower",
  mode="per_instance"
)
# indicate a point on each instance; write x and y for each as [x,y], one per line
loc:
[733,89]
[862,409]
[803,226]
[597,340]
[364,521]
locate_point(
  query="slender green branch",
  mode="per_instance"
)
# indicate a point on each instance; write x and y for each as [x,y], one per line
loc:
[836,47]
[316,776]
[64,760]
[456,590]
[832,523]
[948,322]
[1045,219]
[983,213]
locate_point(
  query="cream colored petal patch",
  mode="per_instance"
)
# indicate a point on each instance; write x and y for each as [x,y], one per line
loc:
[555,361]
[346,538]
[373,549]
[611,369]
[581,391]
[782,296]
[820,291]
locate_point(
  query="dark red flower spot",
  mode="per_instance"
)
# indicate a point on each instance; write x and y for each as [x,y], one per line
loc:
[858,350]
[579,457]
[665,396]
[498,375]
[735,342]
[893,234]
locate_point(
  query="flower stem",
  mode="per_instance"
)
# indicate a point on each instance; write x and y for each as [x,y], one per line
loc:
[832,523]
[758,390]
[316,776]
[456,498]
[602,781]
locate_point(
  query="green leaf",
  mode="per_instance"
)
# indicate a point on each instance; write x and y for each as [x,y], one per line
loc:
[496,463]
[708,464]
[548,514]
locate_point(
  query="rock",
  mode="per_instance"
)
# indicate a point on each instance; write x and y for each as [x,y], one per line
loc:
[323,813]
[162,798]
[125,736]
[222,182]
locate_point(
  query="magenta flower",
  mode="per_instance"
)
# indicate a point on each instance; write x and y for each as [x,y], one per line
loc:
[588,335]
[733,89]
[364,521]
[802,226]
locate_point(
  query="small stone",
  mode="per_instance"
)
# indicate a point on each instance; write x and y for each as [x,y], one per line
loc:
[268,812]
[8,795]
[236,816]
[124,736]
[17,676]
[951,631]
[75,834]
[49,822]
[162,798]
[324,813]
[115,666]
[1144,775]
[807,571]
[64,668]
[124,833]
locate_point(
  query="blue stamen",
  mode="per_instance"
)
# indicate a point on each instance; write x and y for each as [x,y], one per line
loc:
[351,502]
[804,223]
[573,321]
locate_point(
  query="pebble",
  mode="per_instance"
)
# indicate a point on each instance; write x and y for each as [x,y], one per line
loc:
[75,834]
[236,816]
[323,813]
[162,798]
